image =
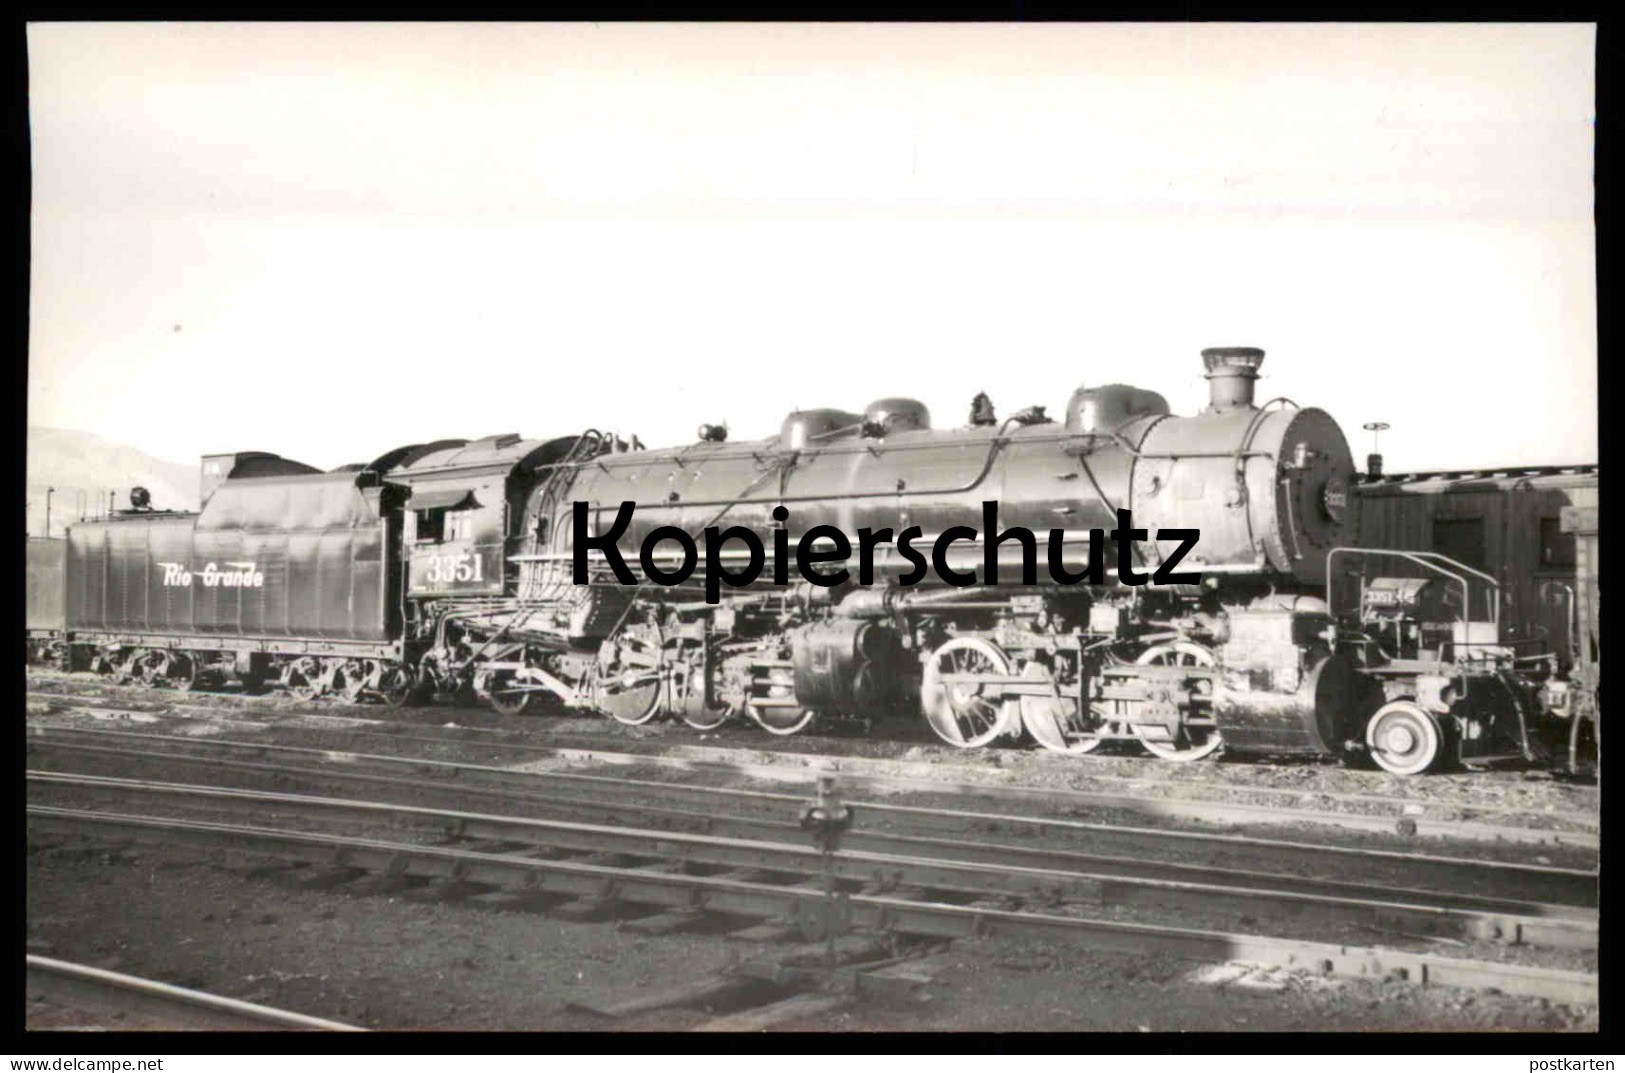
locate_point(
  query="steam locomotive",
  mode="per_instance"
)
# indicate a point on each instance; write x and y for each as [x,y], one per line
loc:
[447,569]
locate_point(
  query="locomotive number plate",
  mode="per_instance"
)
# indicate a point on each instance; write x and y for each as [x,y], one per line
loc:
[456,570]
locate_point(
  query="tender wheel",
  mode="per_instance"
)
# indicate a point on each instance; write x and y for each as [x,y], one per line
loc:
[121,666]
[304,678]
[184,671]
[967,714]
[1191,742]
[1403,738]
[629,675]
[351,680]
[153,668]
[398,685]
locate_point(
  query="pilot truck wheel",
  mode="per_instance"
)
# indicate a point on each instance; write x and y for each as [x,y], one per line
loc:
[1404,738]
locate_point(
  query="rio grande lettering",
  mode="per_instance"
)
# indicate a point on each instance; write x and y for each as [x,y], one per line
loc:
[235,576]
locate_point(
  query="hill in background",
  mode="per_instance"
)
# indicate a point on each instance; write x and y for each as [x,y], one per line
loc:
[83,468]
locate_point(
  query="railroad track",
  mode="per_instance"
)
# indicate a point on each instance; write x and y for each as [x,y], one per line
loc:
[98,991]
[1393,814]
[1016,839]
[1405,911]
[682,896]
[973,763]
[917,885]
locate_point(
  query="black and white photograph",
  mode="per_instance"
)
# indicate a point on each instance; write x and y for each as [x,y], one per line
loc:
[589,528]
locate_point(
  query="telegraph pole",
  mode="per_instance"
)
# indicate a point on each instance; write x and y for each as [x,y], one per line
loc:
[49,492]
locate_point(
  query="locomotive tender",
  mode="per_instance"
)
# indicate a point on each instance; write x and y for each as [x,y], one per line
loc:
[446,568]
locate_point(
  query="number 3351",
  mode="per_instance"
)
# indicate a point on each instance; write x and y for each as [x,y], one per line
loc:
[454,568]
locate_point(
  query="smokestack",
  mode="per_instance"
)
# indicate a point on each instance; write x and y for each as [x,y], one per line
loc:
[1231,371]
[1373,465]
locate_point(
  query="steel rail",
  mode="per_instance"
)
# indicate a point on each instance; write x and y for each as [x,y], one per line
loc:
[75,985]
[1290,797]
[1542,882]
[669,890]
[713,754]
[773,828]
[1213,812]
[1048,885]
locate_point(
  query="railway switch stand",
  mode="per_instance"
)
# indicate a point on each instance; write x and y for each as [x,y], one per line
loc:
[827,819]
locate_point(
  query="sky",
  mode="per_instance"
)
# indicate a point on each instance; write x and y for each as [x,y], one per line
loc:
[329,240]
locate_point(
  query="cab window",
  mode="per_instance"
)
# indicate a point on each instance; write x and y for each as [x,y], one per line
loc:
[444,526]
[431,526]
[459,525]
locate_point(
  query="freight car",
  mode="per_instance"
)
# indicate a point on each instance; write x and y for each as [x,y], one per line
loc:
[447,568]
[1533,529]
[1506,522]
[43,599]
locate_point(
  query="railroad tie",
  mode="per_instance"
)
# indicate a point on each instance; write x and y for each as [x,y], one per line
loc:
[444,889]
[515,901]
[585,910]
[754,1020]
[324,878]
[771,931]
[664,923]
[698,993]
[384,883]
[906,978]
